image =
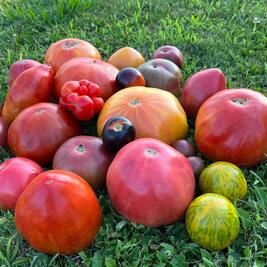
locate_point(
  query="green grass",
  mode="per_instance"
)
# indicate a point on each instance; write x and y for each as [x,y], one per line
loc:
[229,34]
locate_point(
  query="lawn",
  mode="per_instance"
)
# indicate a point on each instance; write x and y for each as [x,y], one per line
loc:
[228,34]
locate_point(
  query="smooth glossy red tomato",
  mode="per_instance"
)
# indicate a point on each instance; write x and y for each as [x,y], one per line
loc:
[232,126]
[62,51]
[31,86]
[58,213]
[150,183]
[93,70]
[39,130]
[199,87]
[85,156]
[3,132]
[15,175]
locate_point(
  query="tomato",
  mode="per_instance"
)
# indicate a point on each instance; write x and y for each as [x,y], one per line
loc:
[199,87]
[18,67]
[232,126]
[212,221]
[197,165]
[95,71]
[62,51]
[150,110]
[85,156]
[39,130]
[184,147]
[32,86]
[15,175]
[3,132]
[58,213]
[150,183]
[126,57]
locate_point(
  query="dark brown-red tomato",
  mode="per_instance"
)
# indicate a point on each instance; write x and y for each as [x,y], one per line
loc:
[85,156]
[39,130]
[3,132]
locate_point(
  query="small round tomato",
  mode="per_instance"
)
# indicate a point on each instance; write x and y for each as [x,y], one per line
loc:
[184,147]
[117,132]
[128,77]
[85,156]
[58,213]
[15,175]
[197,165]
[62,51]
[39,130]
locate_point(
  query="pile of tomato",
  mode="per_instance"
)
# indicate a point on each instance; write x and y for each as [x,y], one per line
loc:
[141,155]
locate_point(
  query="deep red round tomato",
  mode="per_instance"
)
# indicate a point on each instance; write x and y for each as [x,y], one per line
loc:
[150,182]
[85,156]
[3,132]
[62,51]
[58,213]
[93,70]
[15,175]
[39,130]
[232,126]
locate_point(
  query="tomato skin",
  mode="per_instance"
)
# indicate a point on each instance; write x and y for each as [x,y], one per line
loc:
[150,183]
[85,156]
[18,67]
[31,86]
[39,130]
[144,107]
[3,132]
[63,50]
[93,70]
[58,213]
[199,87]
[15,175]
[232,132]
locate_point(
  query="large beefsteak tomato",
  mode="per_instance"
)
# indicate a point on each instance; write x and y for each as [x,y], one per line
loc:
[153,112]
[232,126]
[39,130]
[150,183]
[15,175]
[58,213]
[85,156]
[93,70]
[63,50]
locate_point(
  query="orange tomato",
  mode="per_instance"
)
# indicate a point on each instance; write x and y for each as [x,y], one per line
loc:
[154,113]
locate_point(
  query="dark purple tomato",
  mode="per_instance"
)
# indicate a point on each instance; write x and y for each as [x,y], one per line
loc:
[197,165]
[117,132]
[184,147]
[128,77]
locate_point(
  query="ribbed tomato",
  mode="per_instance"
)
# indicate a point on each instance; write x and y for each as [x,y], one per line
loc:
[58,213]
[93,70]
[153,112]
[212,221]
[223,178]
[150,183]
[62,51]
[232,126]
[39,130]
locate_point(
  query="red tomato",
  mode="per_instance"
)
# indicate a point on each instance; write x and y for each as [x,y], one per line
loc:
[20,66]
[39,130]
[58,213]
[232,126]
[62,51]
[3,132]
[150,183]
[96,71]
[85,156]
[32,86]
[199,87]
[15,175]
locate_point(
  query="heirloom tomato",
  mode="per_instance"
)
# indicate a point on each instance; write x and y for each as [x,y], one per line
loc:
[3,132]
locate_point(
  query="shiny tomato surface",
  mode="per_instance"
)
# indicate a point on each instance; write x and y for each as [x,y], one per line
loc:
[150,183]
[39,130]
[232,126]
[58,213]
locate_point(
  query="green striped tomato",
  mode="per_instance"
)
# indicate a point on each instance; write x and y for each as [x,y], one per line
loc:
[212,221]
[223,178]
